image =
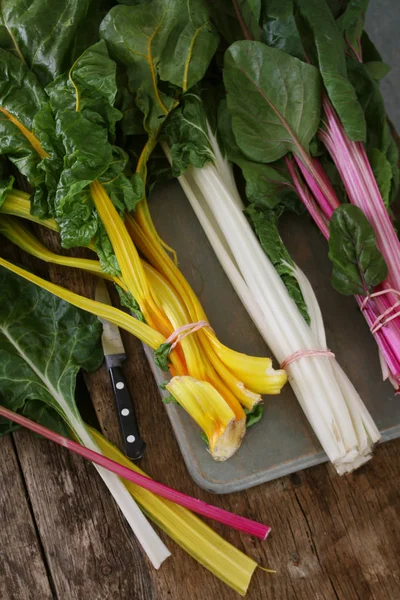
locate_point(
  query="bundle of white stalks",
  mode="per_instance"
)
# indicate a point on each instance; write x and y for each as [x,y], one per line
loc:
[333,407]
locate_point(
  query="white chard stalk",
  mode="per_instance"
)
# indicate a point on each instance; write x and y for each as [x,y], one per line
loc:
[151,543]
[333,407]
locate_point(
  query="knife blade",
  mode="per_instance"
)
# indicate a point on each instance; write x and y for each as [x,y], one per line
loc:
[115,355]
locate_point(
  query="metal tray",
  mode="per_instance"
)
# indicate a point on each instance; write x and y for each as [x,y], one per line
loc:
[282,442]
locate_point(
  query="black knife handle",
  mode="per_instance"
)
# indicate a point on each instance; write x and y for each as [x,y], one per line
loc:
[134,445]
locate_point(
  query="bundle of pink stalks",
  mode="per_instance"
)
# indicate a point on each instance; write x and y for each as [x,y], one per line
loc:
[381,308]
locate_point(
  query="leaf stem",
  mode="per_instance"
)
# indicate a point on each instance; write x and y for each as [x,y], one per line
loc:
[245,30]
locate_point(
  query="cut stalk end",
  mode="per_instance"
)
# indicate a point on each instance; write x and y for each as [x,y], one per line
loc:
[212,413]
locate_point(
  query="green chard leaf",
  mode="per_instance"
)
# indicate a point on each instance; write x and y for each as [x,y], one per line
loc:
[351,24]
[279,29]
[254,415]
[382,170]
[358,266]
[166,46]
[158,170]
[266,228]
[237,19]
[169,400]
[161,356]
[266,185]
[44,342]
[41,33]
[105,251]
[46,416]
[274,100]
[6,180]
[336,7]
[27,129]
[317,20]
[87,32]
[187,136]
[128,301]
[205,439]
[83,105]
[376,69]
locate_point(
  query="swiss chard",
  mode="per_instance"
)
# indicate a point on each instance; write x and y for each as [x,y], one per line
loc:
[83,105]
[266,184]
[165,50]
[283,117]
[44,343]
[41,34]
[351,24]
[279,29]
[22,101]
[329,49]
[358,266]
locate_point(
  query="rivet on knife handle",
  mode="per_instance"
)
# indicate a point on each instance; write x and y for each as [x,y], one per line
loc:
[134,446]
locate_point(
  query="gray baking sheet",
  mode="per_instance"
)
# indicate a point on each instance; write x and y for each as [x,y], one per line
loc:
[282,442]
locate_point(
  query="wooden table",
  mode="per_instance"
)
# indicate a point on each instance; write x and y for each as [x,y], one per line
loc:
[63,537]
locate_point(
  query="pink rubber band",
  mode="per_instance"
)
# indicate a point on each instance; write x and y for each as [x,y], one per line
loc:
[381,321]
[305,353]
[180,333]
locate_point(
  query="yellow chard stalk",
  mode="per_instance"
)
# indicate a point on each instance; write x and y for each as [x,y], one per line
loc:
[18,204]
[210,411]
[248,375]
[23,238]
[140,330]
[215,554]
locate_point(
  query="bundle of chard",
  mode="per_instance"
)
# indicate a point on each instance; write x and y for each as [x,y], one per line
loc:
[303,95]
[275,292]
[59,124]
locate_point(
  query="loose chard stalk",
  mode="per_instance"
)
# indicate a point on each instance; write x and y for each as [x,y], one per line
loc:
[226,562]
[105,463]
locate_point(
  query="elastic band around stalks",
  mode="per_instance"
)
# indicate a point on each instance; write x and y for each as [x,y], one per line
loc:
[304,354]
[381,321]
[180,333]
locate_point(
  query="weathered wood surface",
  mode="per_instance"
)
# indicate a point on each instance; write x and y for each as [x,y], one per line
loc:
[22,567]
[333,538]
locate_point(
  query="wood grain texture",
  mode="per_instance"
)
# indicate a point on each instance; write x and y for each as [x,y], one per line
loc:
[23,574]
[89,548]
[333,538]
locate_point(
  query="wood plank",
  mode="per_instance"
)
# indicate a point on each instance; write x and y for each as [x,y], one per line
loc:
[23,574]
[89,547]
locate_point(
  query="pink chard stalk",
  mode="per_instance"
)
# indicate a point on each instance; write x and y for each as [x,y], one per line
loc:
[197,506]
[381,309]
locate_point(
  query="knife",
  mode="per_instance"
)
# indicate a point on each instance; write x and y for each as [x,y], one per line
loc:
[115,355]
